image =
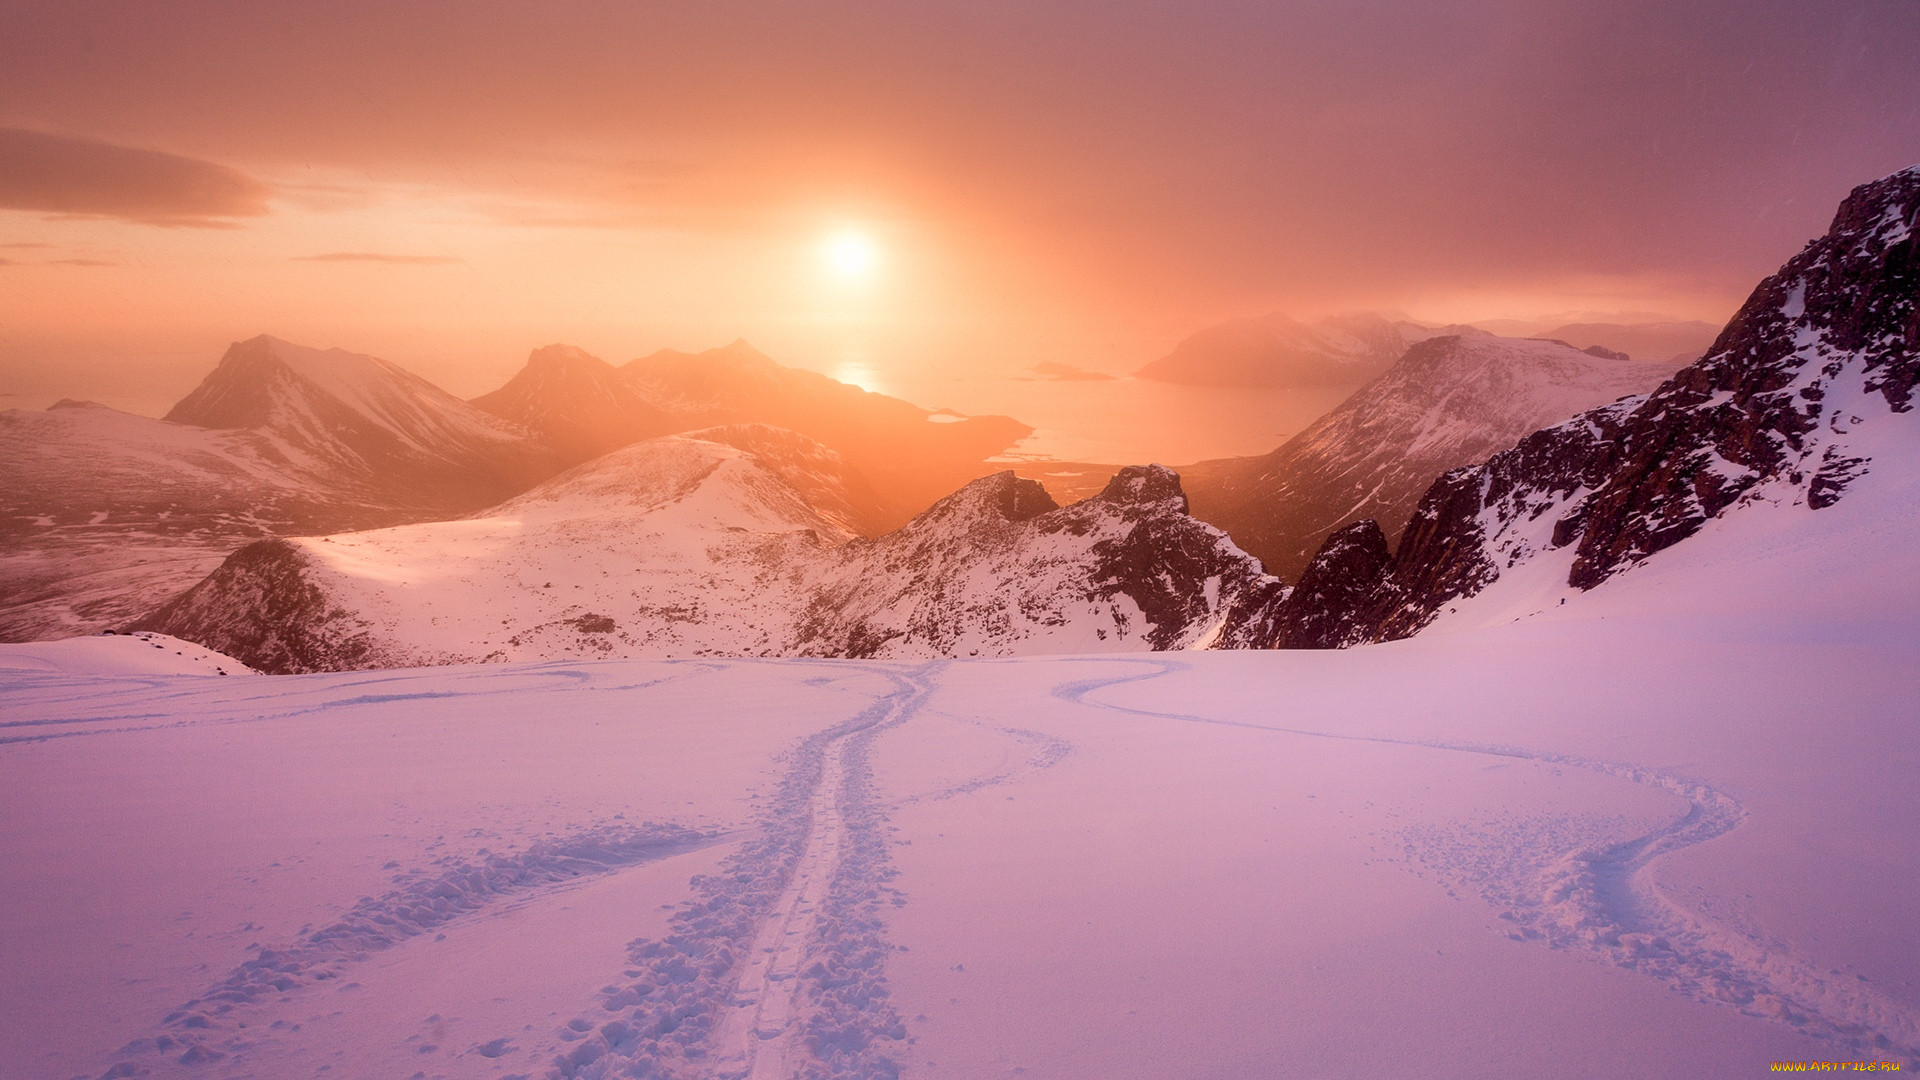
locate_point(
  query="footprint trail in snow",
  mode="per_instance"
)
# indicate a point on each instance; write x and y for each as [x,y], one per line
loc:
[1598,897]
[776,967]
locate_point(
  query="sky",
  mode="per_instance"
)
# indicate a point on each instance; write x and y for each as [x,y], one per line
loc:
[932,186]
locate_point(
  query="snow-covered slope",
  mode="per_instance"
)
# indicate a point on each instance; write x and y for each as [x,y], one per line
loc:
[1449,401]
[674,547]
[105,514]
[362,421]
[587,407]
[118,654]
[1808,388]
[1276,350]
[684,546]
[1665,834]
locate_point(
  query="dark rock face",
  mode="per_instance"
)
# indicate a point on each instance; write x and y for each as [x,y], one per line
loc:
[263,603]
[1817,350]
[1332,605]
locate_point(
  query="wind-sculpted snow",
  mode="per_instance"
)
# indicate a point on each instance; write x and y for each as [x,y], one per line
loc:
[212,1026]
[1577,886]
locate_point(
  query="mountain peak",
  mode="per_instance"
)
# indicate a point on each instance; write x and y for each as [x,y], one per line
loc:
[1144,484]
[564,357]
[1000,497]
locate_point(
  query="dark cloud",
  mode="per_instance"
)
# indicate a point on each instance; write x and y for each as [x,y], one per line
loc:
[85,178]
[375,257]
[82,262]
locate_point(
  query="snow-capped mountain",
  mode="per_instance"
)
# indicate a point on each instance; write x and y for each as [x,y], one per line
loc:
[735,542]
[363,422]
[1449,401]
[578,403]
[588,407]
[1276,350]
[1797,396]
[105,514]
[997,569]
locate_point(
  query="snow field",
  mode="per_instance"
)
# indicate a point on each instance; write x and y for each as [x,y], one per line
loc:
[1662,831]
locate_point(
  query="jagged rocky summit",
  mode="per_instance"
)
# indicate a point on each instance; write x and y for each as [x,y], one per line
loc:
[1778,410]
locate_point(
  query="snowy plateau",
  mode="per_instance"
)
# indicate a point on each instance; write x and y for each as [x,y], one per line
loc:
[1616,777]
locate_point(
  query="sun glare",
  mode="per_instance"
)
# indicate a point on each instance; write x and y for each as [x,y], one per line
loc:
[851,256]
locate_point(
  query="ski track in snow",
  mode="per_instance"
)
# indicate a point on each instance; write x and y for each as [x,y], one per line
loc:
[1598,897]
[776,966]
[208,1028]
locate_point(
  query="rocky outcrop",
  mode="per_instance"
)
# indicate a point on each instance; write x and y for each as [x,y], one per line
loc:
[269,602]
[997,569]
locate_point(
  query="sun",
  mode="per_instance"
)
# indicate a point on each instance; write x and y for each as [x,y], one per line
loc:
[850,255]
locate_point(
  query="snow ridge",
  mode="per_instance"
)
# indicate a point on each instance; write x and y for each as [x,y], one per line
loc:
[1599,897]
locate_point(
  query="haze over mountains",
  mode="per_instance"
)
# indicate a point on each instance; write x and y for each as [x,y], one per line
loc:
[107,514]
[762,539]
[586,407]
[1782,410]
[1276,350]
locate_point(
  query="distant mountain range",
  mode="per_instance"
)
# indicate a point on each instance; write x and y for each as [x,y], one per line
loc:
[760,538]
[1278,351]
[1346,351]
[1449,401]
[586,407]
[1673,342]
[106,515]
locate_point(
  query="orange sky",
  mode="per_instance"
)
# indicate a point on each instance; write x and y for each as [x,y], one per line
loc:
[449,185]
